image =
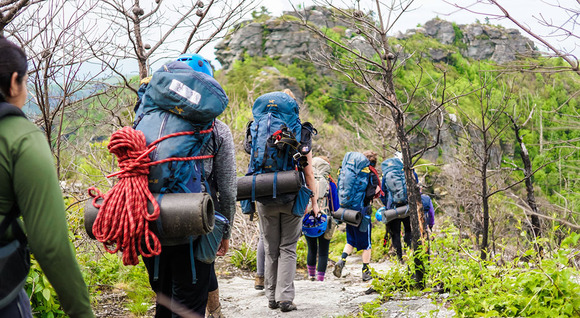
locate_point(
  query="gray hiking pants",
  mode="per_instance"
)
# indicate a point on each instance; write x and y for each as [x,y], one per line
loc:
[281,230]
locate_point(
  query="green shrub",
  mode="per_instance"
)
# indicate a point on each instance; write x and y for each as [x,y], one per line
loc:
[244,258]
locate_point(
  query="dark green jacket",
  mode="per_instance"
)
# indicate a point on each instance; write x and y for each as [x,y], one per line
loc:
[28,177]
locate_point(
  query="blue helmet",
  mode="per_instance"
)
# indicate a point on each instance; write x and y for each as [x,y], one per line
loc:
[314,226]
[196,62]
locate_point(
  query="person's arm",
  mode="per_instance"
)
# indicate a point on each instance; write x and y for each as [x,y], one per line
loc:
[224,170]
[40,200]
[311,183]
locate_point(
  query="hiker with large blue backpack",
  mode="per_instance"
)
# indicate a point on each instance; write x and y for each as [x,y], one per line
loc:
[187,153]
[395,196]
[358,185]
[279,144]
[31,199]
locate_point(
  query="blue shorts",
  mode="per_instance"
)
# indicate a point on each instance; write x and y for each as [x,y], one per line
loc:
[356,238]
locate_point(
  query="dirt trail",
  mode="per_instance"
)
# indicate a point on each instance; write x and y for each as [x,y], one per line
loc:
[332,298]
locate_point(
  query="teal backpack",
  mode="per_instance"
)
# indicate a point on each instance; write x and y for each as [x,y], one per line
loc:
[353,180]
[394,180]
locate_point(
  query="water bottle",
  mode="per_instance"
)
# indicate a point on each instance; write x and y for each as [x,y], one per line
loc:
[379,214]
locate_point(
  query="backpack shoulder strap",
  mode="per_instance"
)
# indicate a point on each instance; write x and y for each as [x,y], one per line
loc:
[10,220]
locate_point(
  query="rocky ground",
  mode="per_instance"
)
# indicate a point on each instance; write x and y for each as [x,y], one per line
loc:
[335,297]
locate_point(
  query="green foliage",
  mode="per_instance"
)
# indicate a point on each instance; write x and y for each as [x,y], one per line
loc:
[244,258]
[108,272]
[541,288]
[261,16]
[301,252]
[458,40]
[43,299]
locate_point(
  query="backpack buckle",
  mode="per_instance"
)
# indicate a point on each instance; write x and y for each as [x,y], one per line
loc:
[297,156]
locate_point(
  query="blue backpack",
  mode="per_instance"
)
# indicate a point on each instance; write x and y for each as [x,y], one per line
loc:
[353,180]
[277,141]
[394,180]
[426,201]
[274,134]
[179,99]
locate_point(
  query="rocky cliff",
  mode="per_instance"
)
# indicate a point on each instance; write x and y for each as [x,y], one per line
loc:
[477,41]
[283,37]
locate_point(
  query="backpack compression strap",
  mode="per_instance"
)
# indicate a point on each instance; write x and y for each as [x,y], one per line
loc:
[125,205]
[285,140]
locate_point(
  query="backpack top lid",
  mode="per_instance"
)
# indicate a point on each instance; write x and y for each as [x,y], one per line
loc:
[278,103]
[321,167]
[391,164]
[194,96]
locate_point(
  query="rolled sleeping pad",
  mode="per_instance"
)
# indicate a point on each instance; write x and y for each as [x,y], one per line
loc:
[286,182]
[181,215]
[398,213]
[352,217]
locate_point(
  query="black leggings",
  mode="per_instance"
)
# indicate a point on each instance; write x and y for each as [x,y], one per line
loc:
[317,245]
[175,280]
[213,282]
[394,228]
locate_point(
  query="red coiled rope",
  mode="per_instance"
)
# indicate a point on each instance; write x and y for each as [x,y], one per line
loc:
[122,221]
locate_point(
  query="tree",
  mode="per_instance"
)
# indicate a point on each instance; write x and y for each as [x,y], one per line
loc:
[370,62]
[556,32]
[55,34]
[564,61]
[10,9]
[147,32]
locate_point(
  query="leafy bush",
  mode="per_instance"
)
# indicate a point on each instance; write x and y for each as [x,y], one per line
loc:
[244,258]
[542,288]
[43,298]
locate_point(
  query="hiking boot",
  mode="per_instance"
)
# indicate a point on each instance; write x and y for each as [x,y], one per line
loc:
[272,304]
[286,306]
[312,278]
[366,275]
[338,268]
[259,282]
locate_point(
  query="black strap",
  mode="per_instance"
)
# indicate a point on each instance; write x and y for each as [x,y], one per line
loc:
[10,220]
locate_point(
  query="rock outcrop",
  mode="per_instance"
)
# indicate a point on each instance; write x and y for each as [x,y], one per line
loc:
[285,38]
[477,41]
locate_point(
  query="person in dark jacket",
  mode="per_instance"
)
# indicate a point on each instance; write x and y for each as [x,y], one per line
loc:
[29,187]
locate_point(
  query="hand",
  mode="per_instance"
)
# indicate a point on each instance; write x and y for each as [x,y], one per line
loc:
[223,248]
[315,209]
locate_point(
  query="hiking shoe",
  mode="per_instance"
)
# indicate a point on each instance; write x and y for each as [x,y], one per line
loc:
[366,275]
[312,278]
[272,304]
[338,268]
[286,306]
[259,282]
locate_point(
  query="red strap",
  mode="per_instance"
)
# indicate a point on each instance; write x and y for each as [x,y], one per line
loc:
[381,193]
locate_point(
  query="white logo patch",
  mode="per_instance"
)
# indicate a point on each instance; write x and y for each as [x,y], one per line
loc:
[182,90]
